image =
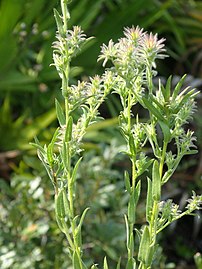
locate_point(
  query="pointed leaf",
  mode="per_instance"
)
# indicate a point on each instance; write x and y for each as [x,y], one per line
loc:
[138,234]
[76,261]
[167,89]
[68,133]
[50,148]
[82,218]
[166,131]
[144,245]
[150,254]
[156,181]
[59,205]
[127,182]
[131,208]
[78,229]
[127,231]
[65,155]
[60,223]
[105,263]
[149,200]
[66,203]
[178,87]
[47,167]
[153,109]
[131,264]
[131,245]
[38,145]
[132,145]
[60,113]
[74,172]
[119,264]
[159,105]
[59,22]
[137,192]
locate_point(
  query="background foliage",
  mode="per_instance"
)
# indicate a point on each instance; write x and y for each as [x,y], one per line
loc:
[29,236]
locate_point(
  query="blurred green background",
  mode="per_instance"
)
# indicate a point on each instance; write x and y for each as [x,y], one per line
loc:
[29,236]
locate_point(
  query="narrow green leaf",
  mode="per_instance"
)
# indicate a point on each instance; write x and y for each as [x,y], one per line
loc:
[131,264]
[149,202]
[50,154]
[137,192]
[138,234]
[178,87]
[131,245]
[68,133]
[60,113]
[185,98]
[38,145]
[59,205]
[59,22]
[131,208]
[127,182]
[74,172]
[65,155]
[60,223]
[39,148]
[66,203]
[144,245]
[190,152]
[47,167]
[166,131]
[156,181]
[119,264]
[50,148]
[150,254]
[146,165]
[127,231]
[76,261]
[132,145]
[82,218]
[105,263]
[167,89]
[78,229]
[55,135]
[159,105]
[153,109]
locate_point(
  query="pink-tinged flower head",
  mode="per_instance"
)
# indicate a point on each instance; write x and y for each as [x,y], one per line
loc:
[133,34]
[152,47]
[152,42]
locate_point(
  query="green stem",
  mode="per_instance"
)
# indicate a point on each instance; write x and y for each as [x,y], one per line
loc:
[133,172]
[129,112]
[65,13]
[165,144]
[153,224]
[67,112]
[143,266]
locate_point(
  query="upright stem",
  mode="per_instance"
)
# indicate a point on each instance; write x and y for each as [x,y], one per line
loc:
[133,172]
[155,209]
[65,13]
[66,110]
[131,220]
[165,144]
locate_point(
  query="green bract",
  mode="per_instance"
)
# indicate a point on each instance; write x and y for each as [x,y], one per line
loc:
[133,60]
